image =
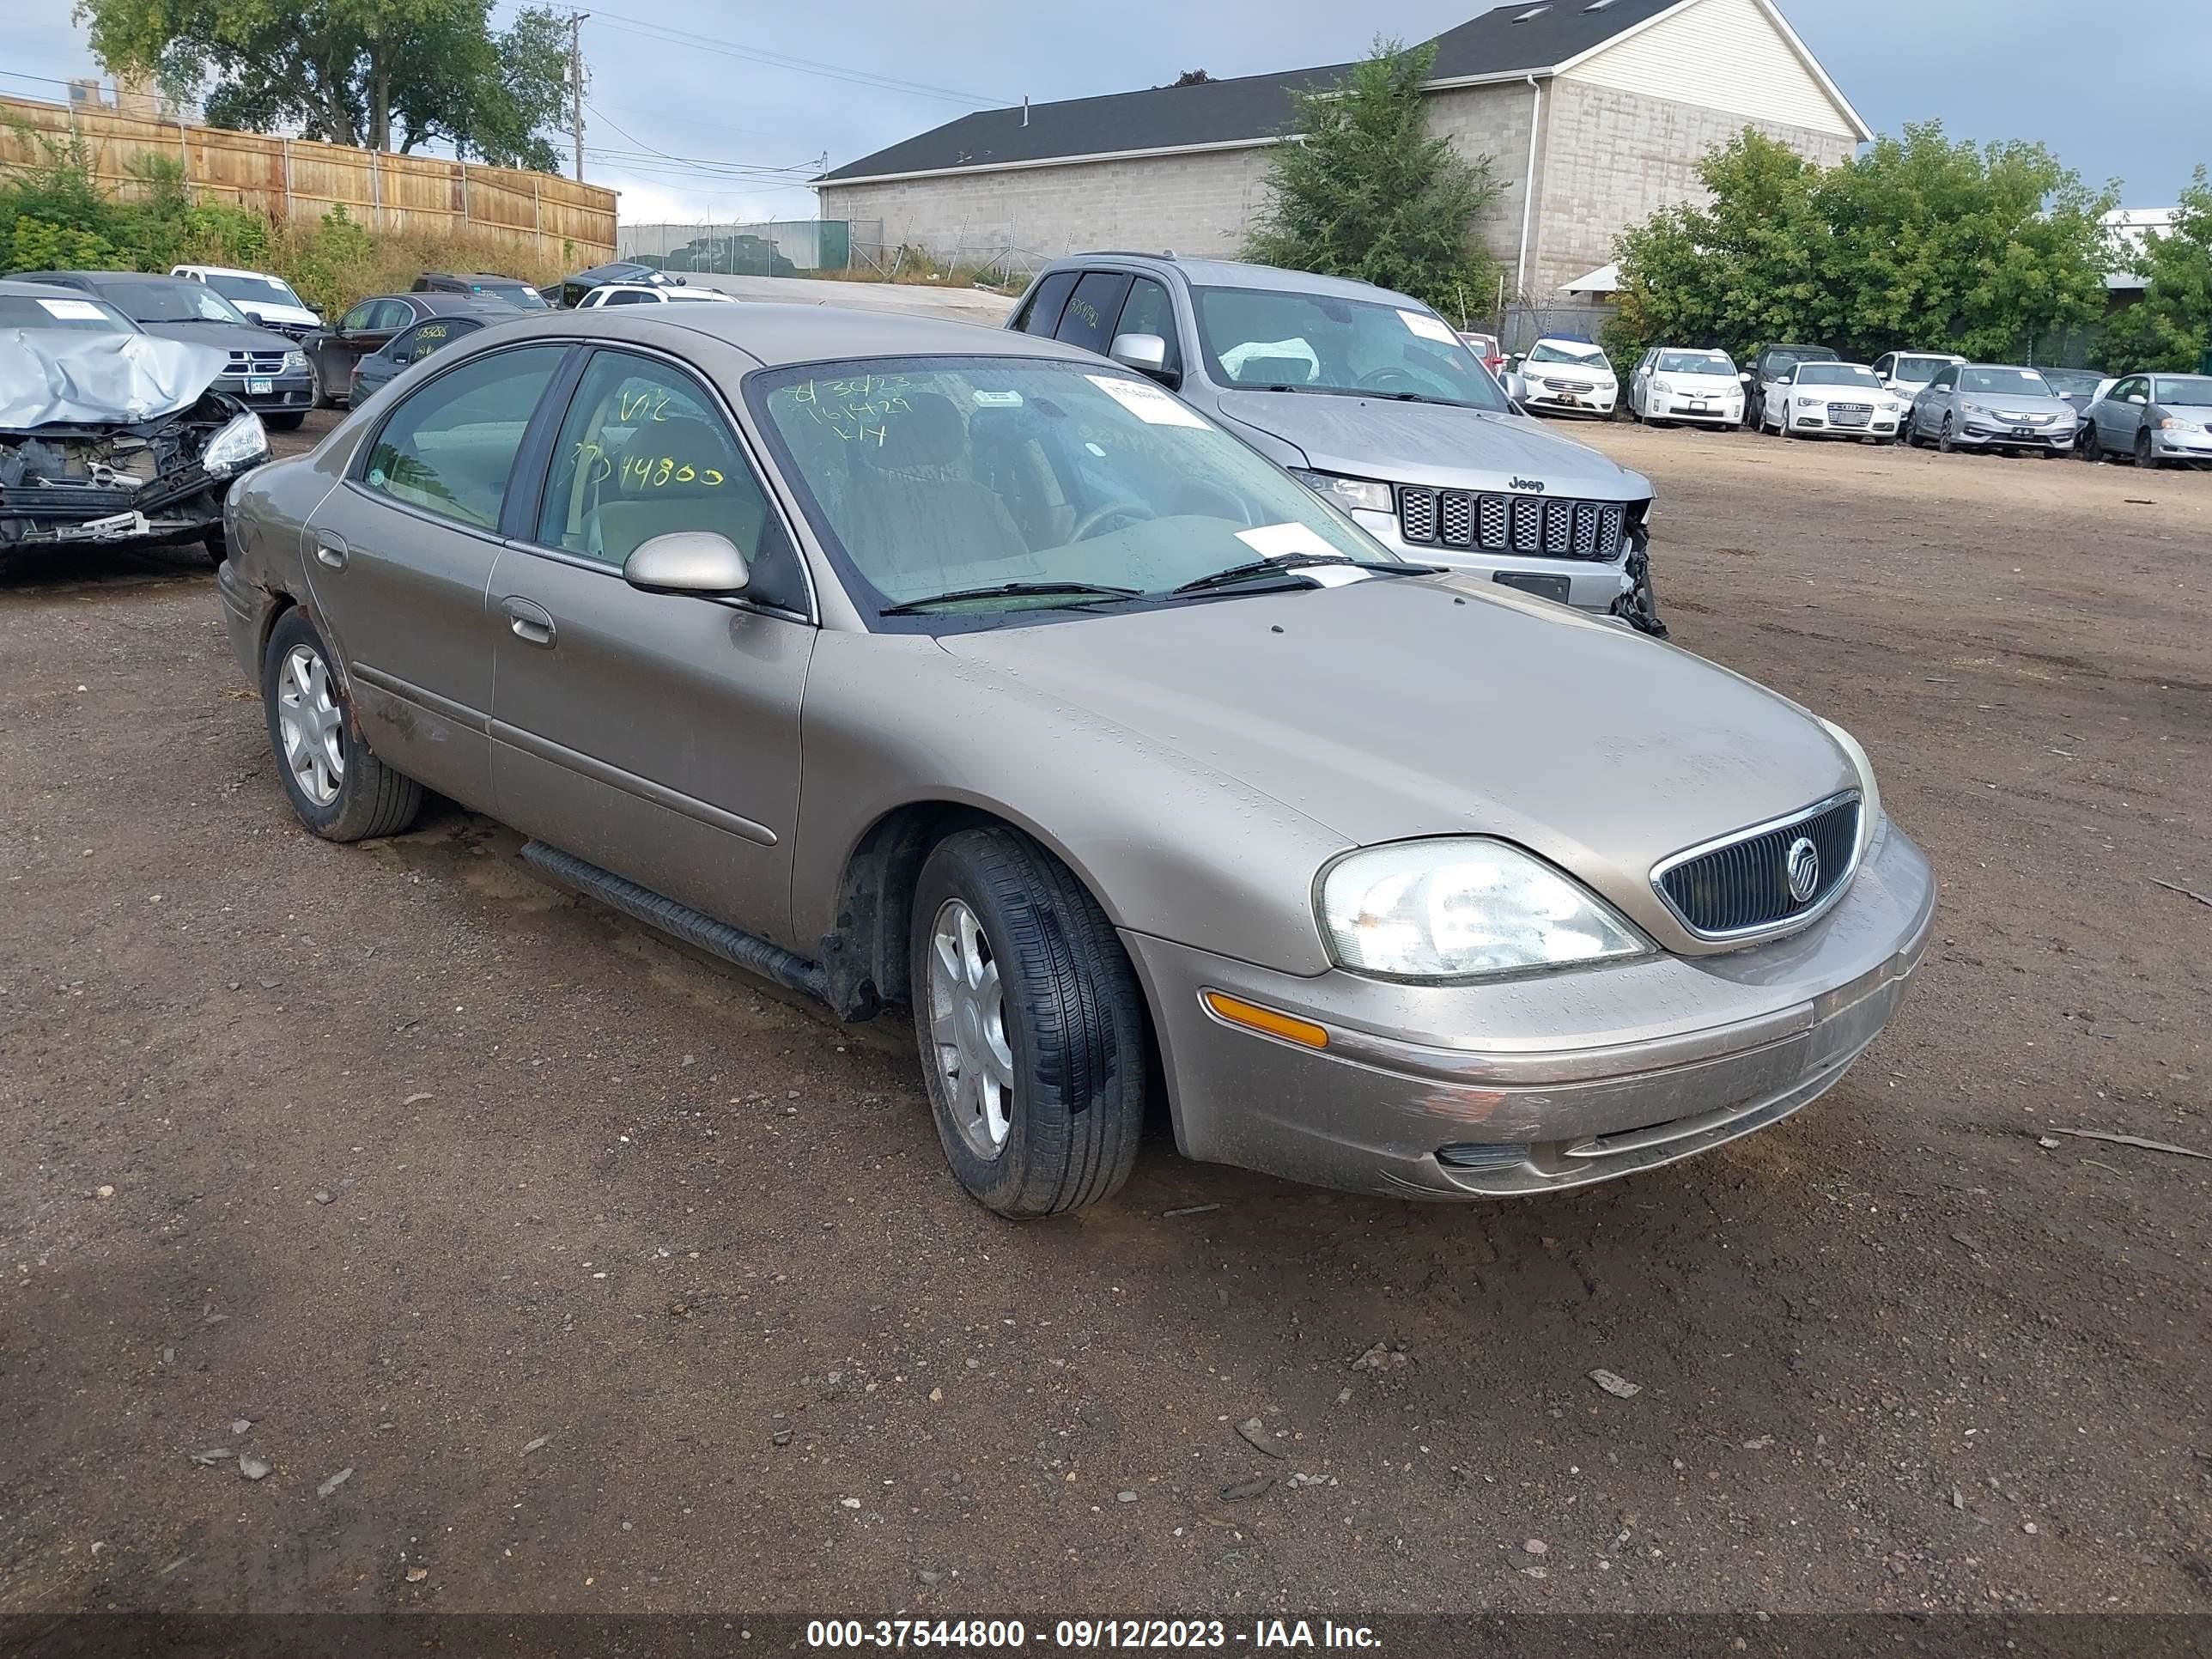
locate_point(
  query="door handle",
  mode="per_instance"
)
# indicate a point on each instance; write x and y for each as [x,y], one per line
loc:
[330,550]
[532,622]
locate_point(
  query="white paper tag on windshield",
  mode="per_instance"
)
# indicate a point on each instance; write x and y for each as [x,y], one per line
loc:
[1282,541]
[79,308]
[1148,403]
[1428,327]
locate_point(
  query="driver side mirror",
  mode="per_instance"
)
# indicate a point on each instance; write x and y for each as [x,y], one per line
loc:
[1146,353]
[687,561]
[1517,386]
[1745,376]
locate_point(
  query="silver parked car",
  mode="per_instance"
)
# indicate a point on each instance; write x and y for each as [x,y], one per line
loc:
[1371,397]
[917,666]
[2156,419]
[1991,406]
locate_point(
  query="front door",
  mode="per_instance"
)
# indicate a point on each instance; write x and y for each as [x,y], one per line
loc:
[364,329]
[398,557]
[655,735]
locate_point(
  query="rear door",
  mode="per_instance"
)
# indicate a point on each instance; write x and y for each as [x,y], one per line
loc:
[654,734]
[400,555]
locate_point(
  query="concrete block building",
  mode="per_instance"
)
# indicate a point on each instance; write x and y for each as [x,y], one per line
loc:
[1592,113]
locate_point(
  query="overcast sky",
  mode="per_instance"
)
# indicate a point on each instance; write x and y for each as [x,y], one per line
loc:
[2118,88]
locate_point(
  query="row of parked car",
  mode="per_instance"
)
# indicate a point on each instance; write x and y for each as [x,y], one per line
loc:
[1917,397]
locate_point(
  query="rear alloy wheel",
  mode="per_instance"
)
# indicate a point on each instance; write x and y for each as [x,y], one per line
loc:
[337,787]
[1029,1024]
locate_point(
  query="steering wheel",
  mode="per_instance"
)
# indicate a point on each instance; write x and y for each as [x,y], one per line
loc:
[1201,490]
[1090,523]
[1382,379]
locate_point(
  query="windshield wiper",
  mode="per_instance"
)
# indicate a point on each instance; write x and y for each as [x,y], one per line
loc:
[1079,591]
[1295,561]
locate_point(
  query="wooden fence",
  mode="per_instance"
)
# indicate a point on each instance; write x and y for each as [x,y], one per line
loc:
[499,207]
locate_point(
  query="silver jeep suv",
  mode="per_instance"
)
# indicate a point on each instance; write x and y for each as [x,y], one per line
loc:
[1370,398]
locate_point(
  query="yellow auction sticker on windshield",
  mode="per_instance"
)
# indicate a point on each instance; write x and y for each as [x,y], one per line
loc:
[1148,403]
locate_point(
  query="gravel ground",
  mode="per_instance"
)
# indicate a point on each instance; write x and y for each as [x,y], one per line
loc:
[543,1266]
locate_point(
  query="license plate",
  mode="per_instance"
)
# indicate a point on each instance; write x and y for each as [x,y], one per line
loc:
[2025,432]
[1701,409]
[260,388]
[1544,587]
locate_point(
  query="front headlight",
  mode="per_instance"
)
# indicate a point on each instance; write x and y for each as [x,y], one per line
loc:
[295,363]
[1870,792]
[1966,408]
[1347,493]
[2172,423]
[1663,388]
[240,445]
[1462,907]
[1808,403]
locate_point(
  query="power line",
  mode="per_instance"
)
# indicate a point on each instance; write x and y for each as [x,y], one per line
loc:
[652,31]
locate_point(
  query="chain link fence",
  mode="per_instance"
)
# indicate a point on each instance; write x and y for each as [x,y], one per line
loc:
[769,247]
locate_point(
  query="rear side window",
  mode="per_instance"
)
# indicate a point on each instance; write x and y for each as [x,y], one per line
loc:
[627,299]
[448,448]
[1092,310]
[420,341]
[1042,314]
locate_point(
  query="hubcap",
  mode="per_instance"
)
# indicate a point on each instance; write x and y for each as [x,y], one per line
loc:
[312,724]
[967,1029]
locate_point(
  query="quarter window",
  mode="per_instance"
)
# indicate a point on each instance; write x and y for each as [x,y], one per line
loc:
[1042,314]
[1092,310]
[645,452]
[448,448]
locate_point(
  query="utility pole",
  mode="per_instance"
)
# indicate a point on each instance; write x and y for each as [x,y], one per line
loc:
[576,83]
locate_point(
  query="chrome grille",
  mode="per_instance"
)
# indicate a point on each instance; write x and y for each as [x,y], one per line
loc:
[1741,885]
[257,362]
[1850,414]
[1511,524]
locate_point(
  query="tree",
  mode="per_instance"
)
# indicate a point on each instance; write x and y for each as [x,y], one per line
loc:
[2170,327]
[1197,78]
[386,74]
[1982,250]
[1367,192]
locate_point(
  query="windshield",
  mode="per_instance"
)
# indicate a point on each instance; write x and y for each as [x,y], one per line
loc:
[2020,382]
[263,290]
[2195,390]
[930,476]
[1319,343]
[1694,362]
[1585,356]
[515,293]
[1837,374]
[70,311]
[2071,382]
[166,301]
[1919,370]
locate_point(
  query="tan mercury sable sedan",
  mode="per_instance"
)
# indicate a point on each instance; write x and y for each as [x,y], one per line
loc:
[919,665]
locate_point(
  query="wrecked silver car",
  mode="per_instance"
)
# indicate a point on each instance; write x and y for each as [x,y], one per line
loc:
[110,435]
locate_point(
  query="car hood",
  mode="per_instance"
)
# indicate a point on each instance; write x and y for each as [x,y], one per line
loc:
[1848,394]
[1432,443]
[231,337]
[1590,373]
[1392,708]
[273,312]
[1716,382]
[52,377]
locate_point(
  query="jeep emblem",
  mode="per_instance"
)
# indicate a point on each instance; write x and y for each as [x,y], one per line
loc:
[1529,484]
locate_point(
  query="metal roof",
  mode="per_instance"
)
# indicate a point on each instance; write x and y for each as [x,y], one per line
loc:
[1531,36]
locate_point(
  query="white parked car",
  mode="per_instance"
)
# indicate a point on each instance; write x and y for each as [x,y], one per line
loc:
[1568,377]
[1671,383]
[1831,400]
[1906,374]
[269,300]
[644,294]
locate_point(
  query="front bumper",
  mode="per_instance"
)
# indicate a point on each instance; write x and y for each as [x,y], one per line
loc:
[1534,1084]
[1584,400]
[1817,423]
[1986,435]
[1592,585]
[1714,412]
[285,394]
[2182,446]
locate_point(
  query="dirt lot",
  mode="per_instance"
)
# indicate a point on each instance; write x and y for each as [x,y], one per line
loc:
[607,1280]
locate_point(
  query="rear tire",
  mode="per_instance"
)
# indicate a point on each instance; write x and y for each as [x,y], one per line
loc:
[337,787]
[1030,1025]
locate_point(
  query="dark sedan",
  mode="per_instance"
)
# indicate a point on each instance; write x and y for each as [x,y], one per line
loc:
[266,372]
[411,345]
[373,323]
[482,285]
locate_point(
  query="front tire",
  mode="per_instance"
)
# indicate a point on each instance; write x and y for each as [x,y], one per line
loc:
[2092,447]
[1029,1024]
[283,423]
[2144,457]
[337,787]
[1943,444]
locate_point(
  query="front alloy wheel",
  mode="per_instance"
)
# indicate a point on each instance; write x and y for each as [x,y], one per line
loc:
[1029,1024]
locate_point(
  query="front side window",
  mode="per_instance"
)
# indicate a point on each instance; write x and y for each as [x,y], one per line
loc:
[2016,382]
[1148,310]
[1945,380]
[448,447]
[1322,342]
[356,320]
[929,477]
[645,452]
[1092,309]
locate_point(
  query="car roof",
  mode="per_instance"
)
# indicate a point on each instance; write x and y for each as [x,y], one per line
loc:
[777,334]
[1234,273]
[444,305]
[468,276]
[232,271]
[101,278]
[29,288]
